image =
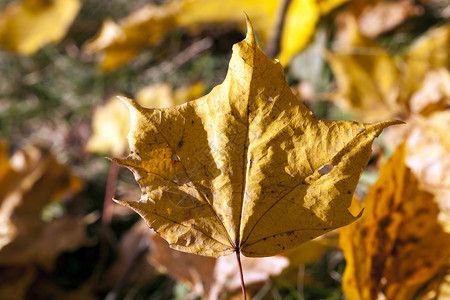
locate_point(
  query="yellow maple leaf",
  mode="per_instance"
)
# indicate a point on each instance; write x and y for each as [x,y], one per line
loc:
[27,26]
[246,168]
[398,245]
[120,42]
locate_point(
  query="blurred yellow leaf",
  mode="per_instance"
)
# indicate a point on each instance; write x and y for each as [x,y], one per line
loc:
[378,17]
[218,173]
[313,250]
[120,42]
[34,180]
[429,52]
[375,87]
[397,247]
[162,95]
[27,26]
[111,121]
[427,148]
[427,154]
[434,94]
[366,76]
[110,125]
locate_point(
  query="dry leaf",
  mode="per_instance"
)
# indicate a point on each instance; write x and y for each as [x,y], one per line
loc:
[427,148]
[162,95]
[143,272]
[110,122]
[366,76]
[120,42]
[434,94]
[429,52]
[210,277]
[34,180]
[397,246]
[196,272]
[218,173]
[383,16]
[427,154]
[372,85]
[27,26]
[313,250]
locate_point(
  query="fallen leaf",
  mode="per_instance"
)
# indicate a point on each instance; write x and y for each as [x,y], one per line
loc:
[434,94]
[27,26]
[313,250]
[429,52]
[218,173]
[366,75]
[120,42]
[161,95]
[213,277]
[427,148]
[131,242]
[110,122]
[35,179]
[398,246]
[384,16]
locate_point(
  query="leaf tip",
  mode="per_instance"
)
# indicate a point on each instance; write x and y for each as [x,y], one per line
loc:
[129,102]
[119,161]
[250,34]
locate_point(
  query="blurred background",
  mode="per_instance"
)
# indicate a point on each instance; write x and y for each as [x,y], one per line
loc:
[62,64]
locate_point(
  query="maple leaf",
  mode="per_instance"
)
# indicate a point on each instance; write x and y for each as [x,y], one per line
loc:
[398,246]
[246,168]
[27,26]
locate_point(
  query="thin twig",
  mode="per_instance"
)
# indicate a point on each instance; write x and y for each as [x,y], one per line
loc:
[241,274]
[181,58]
[109,194]
[273,43]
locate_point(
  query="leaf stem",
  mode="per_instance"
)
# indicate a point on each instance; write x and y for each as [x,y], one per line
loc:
[241,274]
